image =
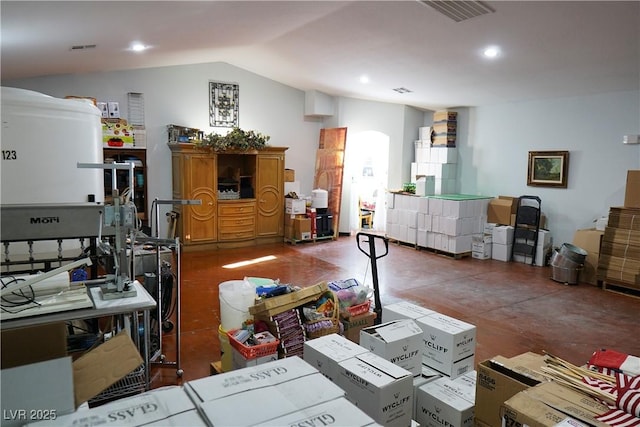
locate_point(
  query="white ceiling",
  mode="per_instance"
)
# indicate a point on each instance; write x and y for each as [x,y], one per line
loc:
[549,49]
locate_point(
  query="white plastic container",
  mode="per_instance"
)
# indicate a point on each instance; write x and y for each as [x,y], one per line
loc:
[43,140]
[236,296]
[319,198]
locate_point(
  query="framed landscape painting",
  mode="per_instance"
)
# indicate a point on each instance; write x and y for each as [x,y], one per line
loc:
[548,168]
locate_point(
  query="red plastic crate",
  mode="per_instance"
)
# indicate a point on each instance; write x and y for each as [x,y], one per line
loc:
[253,351]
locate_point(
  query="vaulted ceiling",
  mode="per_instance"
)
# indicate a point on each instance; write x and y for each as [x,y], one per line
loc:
[547,48]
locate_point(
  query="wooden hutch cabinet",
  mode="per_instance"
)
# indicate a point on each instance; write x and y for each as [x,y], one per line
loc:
[242,194]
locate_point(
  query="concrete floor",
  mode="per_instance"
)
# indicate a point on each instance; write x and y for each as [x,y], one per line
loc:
[515,307]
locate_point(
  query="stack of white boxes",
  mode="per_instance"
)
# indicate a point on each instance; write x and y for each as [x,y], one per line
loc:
[543,248]
[450,224]
[502,236]
[448,354]
[283,392]
[438,165]
[383,390]
[402,216]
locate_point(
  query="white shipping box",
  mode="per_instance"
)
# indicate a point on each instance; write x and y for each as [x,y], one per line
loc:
[501,252]
[398,341]
[426,376]
[448,344]
[459,244]
[238,361]
[260,406]
[21,401]
[384,391]
[190,418]
[153,406]
[295,206]
[503,234]
[481,246]
[404,310]
[444,154]
[338,412]
[253,377]
[324,353]
[425,186]
[446,402]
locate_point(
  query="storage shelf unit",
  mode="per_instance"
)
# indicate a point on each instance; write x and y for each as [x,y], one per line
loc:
[242,194]
[139,158]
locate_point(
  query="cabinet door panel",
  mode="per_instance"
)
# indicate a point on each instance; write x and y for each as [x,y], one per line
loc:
[200,221]
[270,182]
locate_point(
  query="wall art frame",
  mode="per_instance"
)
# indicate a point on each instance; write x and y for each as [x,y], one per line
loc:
[548,169]
[224,104]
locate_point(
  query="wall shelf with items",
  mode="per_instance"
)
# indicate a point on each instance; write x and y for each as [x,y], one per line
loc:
[139,158]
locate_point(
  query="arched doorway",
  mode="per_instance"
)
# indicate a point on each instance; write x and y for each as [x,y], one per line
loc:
[366,170]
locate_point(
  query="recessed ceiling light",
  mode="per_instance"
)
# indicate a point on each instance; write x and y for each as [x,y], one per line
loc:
[491,52]
[138,47]
[364,79]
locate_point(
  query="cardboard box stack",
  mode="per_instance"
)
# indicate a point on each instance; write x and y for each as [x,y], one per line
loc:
[619,262]
[266,393]
[590,240]
[501,209]
[447,351]
[398,341]
[438,165]
[500,378]
[448,344]
[384,391]
[502,237]
[402,216]
[447,402]
[445,124]
[549,404]
[450,222]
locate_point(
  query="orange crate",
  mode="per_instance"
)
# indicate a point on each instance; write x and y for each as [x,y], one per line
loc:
[253,351]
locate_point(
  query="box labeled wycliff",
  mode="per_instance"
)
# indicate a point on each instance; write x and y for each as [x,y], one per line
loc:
[326,352]
[384,391]
[398,341]
[448,344]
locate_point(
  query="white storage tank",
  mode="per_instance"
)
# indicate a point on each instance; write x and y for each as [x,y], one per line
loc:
[43,140]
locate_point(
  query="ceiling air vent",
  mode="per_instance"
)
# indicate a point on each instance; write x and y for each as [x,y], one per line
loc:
[402,90]
[459,10]
[83,46]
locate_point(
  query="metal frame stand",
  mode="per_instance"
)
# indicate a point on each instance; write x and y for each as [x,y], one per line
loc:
[158,359]
[370,238]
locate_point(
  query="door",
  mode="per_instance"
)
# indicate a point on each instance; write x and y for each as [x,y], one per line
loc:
[270,186]
[200,220]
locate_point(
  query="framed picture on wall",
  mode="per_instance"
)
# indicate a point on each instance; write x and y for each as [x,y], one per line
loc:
[548,168]
[223,104]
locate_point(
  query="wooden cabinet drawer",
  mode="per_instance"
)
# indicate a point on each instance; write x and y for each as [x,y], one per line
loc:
[236,228]
[237,223]
[234,209]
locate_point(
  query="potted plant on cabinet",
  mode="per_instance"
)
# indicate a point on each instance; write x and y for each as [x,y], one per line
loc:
[236,139]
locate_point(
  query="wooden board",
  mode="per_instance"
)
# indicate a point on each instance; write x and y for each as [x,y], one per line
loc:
[329,169]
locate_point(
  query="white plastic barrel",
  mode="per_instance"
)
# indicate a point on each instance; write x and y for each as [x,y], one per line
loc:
[43,140]
[236,296]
